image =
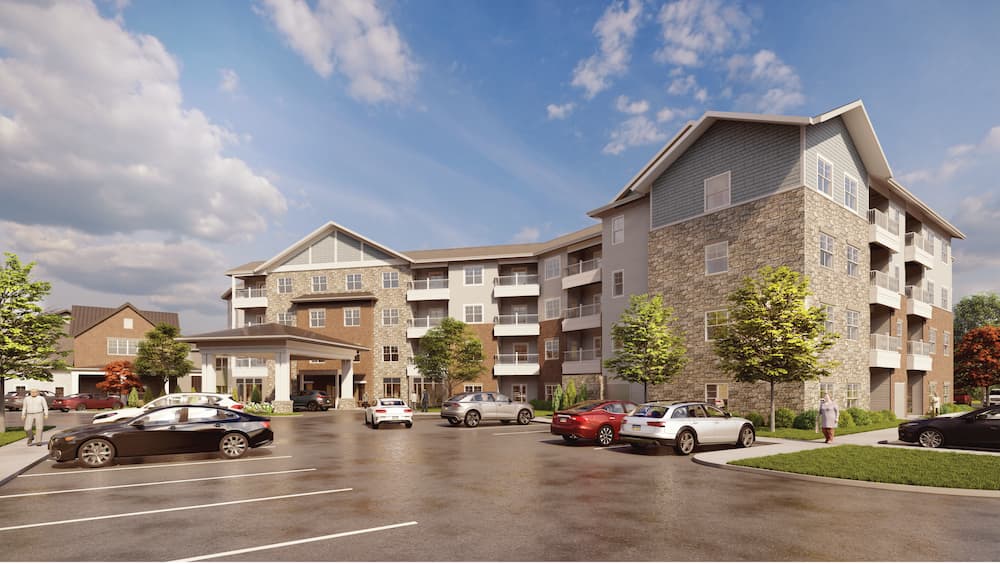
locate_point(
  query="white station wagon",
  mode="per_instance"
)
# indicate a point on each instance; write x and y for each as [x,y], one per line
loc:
[389,410]
[684,426]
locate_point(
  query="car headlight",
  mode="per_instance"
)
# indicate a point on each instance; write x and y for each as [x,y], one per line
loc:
[68,439]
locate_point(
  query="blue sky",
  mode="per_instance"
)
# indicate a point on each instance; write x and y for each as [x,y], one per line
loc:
[146,146]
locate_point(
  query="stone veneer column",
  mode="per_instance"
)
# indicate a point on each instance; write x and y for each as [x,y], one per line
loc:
[282,383]
[347,384]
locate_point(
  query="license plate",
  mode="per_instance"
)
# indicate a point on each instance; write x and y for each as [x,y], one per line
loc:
[636,427]
[564,419]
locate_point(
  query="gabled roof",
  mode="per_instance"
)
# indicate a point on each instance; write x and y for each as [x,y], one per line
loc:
[324,230]
[85,318]
[247,268]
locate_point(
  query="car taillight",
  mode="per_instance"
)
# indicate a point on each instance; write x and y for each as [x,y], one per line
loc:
[407,410]
[237,406]
[266,424]
[656,424]
[379,411]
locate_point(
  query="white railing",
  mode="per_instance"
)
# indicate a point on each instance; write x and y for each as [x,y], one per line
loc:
[881,219]
[517,358]
[882,342]
[584,266]
[582,354]
[429,284]
[516,279]
[919,347]
[251,293]
[249,362]
[919,241]
[582,311]
[516,319]
[426,321]
[883,280]
[919,294]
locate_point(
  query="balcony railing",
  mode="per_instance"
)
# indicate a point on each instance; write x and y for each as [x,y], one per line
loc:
[516,319]
[582,311]
[919,348]
[881,219]
[919,241]
[919,294]
[883,280]
[517,358]
[250,362]
[516,279]
[585,266]
[251,293]
[429,284]
[885,342]
[582,354]
[426,321]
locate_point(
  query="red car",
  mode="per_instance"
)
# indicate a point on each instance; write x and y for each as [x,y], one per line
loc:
[596,420]
[80,402]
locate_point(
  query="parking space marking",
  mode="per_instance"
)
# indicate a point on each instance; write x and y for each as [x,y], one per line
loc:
[168,510]
[295,542]
[158,483]
[145,466]
[520,433]
[611,447]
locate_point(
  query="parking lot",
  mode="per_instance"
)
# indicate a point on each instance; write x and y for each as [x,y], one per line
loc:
[330,488]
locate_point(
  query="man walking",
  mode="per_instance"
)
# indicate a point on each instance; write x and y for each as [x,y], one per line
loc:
[34,411]
[424,400]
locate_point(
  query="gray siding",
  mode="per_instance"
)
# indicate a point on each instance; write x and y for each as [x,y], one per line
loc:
[763,158]
[832,140]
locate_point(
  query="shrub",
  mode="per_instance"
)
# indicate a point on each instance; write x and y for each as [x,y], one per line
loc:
[255,394]
[541,404]
[557,398]
[755,418]
[133,397]
[235,394]
[581,395]
[148,396]
[860,416]
[955,408]
[570,393]
[888,415]
[845,420]
[806,420]
[258,408]
[876,417]
[784,417]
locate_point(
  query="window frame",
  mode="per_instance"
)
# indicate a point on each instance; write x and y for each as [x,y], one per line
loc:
[856,326]
[831,318]
[856,271]
[352,310]
[857,187]
[392,313]
[284,316]
[614,284]
[819,176]
[473,388]
[313,317]
[715,325]
[557,273]
[554,353]
[390,353]
[354,281]
[618,230]
[391,278]
[558,309]
[319,283]
[465,313]
[284,285]
[728,191]
[828,252]
[709,260]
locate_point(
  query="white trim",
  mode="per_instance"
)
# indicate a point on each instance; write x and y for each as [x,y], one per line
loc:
[857,193]
[390,273]
[613,220]
[726,243]
[311,311]
[353,308]
[465,276]
[347,282]
[482,314]
[833,175]
[312,283]
[386,310]
[613,272]
[545,307]
[338,266]
[729,191]
[706,322]
[545,268]
[833,250]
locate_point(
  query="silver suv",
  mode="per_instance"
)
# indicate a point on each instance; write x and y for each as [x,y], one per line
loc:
[474,407]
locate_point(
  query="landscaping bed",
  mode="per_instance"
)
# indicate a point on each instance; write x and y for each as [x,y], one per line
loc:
[809,434]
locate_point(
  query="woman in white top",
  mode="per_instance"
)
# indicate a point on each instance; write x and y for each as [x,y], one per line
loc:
[829,414]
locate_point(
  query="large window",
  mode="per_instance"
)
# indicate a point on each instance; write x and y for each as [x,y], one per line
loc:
[287,318]
[390,279]
[946,344]
[717,395]
[390,316]
[826,250]
[853,324]
[618,230]
[352,317]
[284,285]
[317,318]
[853,259]
[715,324]
[850,193]
[717,258]
[553,268]
[474,313]
[550,390]
[390,353]
[474,276]
[824,176]
[853,394]
[551,349]
[319,283]
[470,388]
[617,283]
[519,392]
[553,308]
[120,346]
[717,193]
[354,281]
[932,339]
[390,388]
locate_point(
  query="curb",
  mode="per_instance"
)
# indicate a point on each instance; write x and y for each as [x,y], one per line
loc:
[16,473]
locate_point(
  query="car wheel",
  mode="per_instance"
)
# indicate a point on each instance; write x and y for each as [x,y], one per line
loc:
[472,419]
[117,405]
[64,410]
[96,453]
[930,438]
[685,442]
[523,417]
[81,407]
[569,438]
[312,406]
[454,420]
[605,435]
[747,437]
[233,445]
[324,408]
[408,425]
[374,424]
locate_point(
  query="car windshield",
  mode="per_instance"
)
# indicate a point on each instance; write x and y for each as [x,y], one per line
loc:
[586,406]
[392,402]
[650,410]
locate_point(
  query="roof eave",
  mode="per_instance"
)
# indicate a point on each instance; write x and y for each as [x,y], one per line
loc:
[925,209]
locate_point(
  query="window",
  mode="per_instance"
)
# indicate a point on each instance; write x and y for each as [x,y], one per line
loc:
[319,283]
[284,285]
[824,176]
[352,317]
[717,258]
[390,280]
[618,230]
[825,250]
[390,316]
[944,298]
[899,333]
[474,313]
[551,349]
[357,357]
[550,390]
[853,392]
[519,392]
[353,281]
[850,193]
[853,324]
[825,388]
[853,258]
[717,191]
[553,309]
[930,291]
[120,346]
[390,388]
[470,388]
[829,317]
[945,250]
[317,318]
[315,362]
[932,338]
[390,353]
[945,393]
[617,283]
[715,324]
[946,344]
[287,318]
[717,394]
[473,276]
[553,267]
[127,323]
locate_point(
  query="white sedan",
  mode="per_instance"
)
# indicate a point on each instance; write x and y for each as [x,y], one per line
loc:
[388,410]
[193,398]
[684,426]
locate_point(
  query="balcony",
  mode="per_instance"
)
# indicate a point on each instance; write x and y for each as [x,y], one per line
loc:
[516,364]
[918,302]
[582,273]
[582,317]
[883,231]
[582,361]
[411,369]
[516,325]
[419,326]
[919,249]
[516,285]
[883,289]
[427,289]
[884,351]
[918,356]
[247,298]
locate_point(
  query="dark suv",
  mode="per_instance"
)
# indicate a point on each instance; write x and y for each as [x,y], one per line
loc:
[311,400]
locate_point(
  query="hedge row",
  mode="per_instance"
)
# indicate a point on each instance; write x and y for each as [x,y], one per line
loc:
[850,417]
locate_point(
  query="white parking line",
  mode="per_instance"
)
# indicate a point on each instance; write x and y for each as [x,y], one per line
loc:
[611,447]
[295,542]
[145,466]
[158,483]
[520,433]
[154,511]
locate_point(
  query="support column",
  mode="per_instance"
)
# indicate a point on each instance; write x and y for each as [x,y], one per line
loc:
[282,383]
[347,384]
[208,380]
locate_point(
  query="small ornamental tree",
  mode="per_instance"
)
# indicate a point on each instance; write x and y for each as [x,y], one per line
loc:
[148,396]
[977,359]
[119,379]
[974,311]
[162,358]
[557,398]
[450,353]
[772,336]
[650,352]
[581,394]
[571,393]
[255,394]
[133,398]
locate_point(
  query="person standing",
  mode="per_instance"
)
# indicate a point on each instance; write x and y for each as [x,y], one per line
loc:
[829,415]
[424,400]
[34,411]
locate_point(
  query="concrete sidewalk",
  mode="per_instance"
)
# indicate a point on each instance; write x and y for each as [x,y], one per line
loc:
[18,457]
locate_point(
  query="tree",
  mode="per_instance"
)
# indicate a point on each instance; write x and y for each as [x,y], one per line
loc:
[161,358]
[119,379]
[772,336]
[29,337]
[450,353]
[557,398]
[977,359]
[975,311]
[649,352]
[133,398]
[571,393]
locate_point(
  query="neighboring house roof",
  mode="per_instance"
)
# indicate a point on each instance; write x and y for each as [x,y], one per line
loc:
[334,297]
[247,268]
[271,331]
[85,318]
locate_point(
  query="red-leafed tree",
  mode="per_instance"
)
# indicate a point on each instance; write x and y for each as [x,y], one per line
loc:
[119,378]
[977,358]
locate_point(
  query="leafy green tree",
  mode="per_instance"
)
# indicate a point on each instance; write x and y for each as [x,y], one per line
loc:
[133,398]
[772,335]
[148,396]
[557,398]
[255,394]
[162,358]
[581,395]
[450,353]
[650,352]
[571,398]
[29,337]
[974,311]
[977,359]
[235,393]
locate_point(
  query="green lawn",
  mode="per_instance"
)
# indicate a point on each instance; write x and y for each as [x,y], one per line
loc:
[808,434]
[14,434]
[889,465]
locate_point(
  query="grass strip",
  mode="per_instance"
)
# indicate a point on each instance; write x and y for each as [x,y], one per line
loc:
[888,465]
[809,434]
[14,434]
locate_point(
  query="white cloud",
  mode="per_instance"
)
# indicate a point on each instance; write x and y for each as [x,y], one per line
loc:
[98,138]
[623,105]
[229,81]
[701,95]
[695,29]
[560,112]
[774,85]
[682,85]
[527,235]
[616,31]
[633,132]
[959,158]
[665,114]
[352,35]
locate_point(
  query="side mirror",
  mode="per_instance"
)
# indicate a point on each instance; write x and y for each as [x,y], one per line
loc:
[728,415]
[510,400]
[138,423]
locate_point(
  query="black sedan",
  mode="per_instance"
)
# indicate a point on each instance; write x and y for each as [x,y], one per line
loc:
[979,428]
[169,430]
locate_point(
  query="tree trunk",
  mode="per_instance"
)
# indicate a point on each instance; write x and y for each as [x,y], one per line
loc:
[603,386]
[3,405]
[645,392]
[772,406]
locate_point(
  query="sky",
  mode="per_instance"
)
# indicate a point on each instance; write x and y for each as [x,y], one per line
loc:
[148,146]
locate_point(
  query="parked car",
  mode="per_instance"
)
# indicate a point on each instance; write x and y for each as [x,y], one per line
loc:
[597,420]
[977,428]
[14,400]
[685,425]
[80,402]
[389,410]
[992,398]
[193,398]
[311,400]
[963,397]
[474,407]
[167,430]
